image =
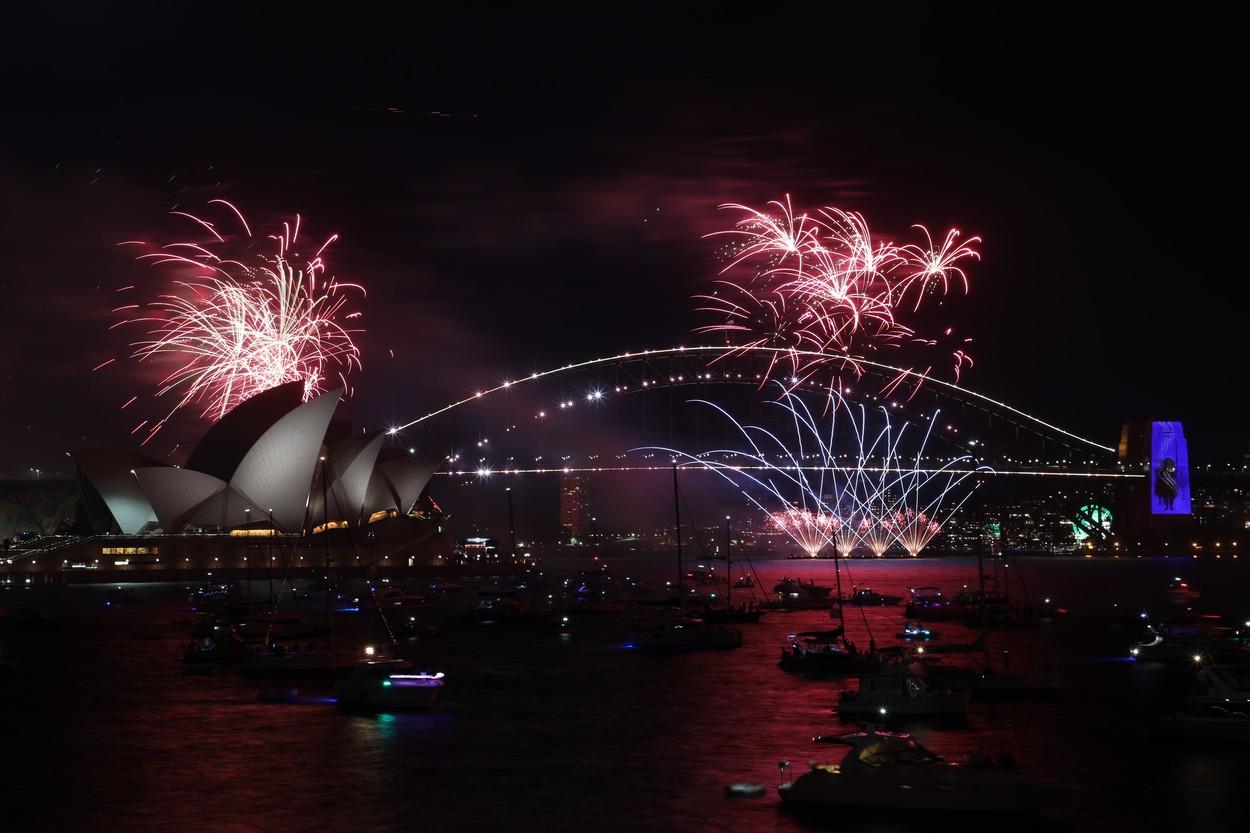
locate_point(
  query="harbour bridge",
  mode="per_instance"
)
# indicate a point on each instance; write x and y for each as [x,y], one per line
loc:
[1014,442]
[603,397]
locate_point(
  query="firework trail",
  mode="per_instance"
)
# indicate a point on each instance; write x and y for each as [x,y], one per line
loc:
[244,315]
[881,498]
[810,530]
[821,282]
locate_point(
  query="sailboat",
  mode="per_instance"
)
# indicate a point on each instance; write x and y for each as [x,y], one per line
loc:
[681,633]
[825,652]
[279,655]
[729,614]
[986,681]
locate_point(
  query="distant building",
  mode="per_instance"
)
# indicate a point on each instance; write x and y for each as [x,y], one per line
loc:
[572,508]
[476,551]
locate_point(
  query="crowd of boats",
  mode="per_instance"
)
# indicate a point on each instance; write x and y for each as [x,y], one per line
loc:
[298,633]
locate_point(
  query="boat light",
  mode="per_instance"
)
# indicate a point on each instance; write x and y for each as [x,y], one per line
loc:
[882,710]
[1198,658]
[370,650]
[1134,652]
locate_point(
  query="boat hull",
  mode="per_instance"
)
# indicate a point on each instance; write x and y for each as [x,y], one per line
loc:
[952,704]
[376,698]
[944,790]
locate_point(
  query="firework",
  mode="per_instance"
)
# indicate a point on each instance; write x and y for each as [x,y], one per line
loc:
[244,316]
[810,530]
[876,496]
[913,530]
[823,283]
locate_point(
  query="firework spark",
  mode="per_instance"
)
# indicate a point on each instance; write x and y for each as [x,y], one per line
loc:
[883,497]
[244,316]
[810,530]
[822,283]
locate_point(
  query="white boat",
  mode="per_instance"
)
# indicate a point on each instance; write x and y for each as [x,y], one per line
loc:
[892,770]
[916,631]
[389,684]
[682,635]
[897,690]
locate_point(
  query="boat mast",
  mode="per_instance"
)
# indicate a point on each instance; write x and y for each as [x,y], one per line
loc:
[677,508]
[981,577]
[516,567]
[837,582]
[729,576]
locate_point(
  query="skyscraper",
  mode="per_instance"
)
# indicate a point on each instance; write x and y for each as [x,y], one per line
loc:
[572,507]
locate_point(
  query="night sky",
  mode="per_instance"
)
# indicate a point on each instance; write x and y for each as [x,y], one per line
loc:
[520,190]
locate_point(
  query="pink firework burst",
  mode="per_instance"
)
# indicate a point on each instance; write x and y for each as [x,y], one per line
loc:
[810,530]
[931,267]
[245,315]
[821,282]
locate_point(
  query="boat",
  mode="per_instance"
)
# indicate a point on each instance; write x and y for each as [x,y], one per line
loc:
[744,581]
[291,658]
[745,790]
[796,595]
[867,596]
[1180,592]
[914,631]
[891,770]
[987,683]
[897,690]
[1208,723]
[700,575]
[730,615]
[388,684]
[1173,643]
[821,652]
[739,615]
[928,603]
[976,646]
[796,587]
[678,635]
[393,597]
[219,644]
[1218,711]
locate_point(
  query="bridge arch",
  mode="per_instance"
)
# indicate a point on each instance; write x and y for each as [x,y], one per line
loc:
[669,367]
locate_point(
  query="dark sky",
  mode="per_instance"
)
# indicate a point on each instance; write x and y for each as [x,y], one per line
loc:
[553,210]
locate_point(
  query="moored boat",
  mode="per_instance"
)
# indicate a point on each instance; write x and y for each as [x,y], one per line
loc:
[896,690]
[389,684]
[673,636]
[1218,710]
[821,652]
[891,770]
[866,596]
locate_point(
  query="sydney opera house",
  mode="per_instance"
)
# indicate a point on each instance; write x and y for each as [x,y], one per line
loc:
[277,480]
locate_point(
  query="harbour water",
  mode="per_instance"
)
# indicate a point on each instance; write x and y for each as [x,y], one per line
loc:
[548,729]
